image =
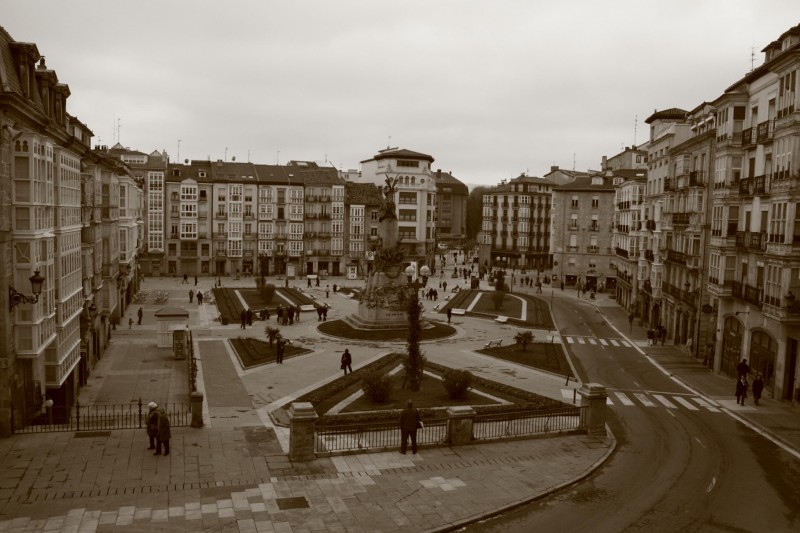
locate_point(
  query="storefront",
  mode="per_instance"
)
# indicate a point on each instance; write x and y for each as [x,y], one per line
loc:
[731,354]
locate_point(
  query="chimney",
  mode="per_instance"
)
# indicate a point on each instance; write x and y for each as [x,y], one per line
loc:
[604,163]
[438,173]
[553,168]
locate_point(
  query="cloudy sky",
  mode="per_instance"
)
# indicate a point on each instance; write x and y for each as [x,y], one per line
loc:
[490,89]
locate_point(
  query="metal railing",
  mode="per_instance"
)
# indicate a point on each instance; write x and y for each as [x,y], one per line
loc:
[97,417]
[498,426]
[367,436]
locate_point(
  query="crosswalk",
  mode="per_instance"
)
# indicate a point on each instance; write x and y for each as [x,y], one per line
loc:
[578,339]
[649,399]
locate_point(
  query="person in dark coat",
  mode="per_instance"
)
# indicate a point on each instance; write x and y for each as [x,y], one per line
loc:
[741,390]
[140,314]
[164,433]
[319,314]
[758,388]
[742,369]
[243,319]
[297,313]
[249,316]
[152,424]
[650,334]
[347,361]
[195,280]
[191,295]
[409,423]
[449,314]
[280,347]
[199,297]
[325,313]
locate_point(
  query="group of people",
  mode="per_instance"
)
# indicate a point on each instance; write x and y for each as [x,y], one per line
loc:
[246,318]
[287,315]
[322,313]
[432,294]
[659,333]
[158,429]
[742,386]
[199,296]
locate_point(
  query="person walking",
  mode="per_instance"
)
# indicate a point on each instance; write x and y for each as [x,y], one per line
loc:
[741,390]
[409,424]
[347,361]
[185,279]
[758,388]
[327,291]
[650,334]
[243,319]
[195,280]
[249,316]
[164,434]
[152,424]
[297,313]
[449,314]
[199,297]
[742,369]
[191,295]
[140,314]
[130,323]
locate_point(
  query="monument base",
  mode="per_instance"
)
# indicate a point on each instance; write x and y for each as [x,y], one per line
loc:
[380,318]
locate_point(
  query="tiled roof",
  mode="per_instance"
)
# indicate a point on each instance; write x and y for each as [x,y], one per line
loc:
[631,173]
[584,183]
[399,153]
[367,194]
[445,179]
[671,113]
[9,73]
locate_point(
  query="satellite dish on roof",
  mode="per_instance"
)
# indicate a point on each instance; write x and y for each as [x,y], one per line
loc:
[186,161]
[233,158]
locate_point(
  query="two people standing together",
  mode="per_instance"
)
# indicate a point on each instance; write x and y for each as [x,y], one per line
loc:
[158,429]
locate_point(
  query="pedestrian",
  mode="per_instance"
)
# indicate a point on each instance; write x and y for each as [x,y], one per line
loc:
[152,424]
[347,361]
[130,323]
[650,334]
[327,291]
[243,319]
[409,424]
[662,333]
[743,368]
[195,280]
[199,297]
[297,313]
[162,439]
[562,285]
[758,388]
[185,279]
[140,314]
[290,314]
[191,295]
[449,314]
[319,314]
[689,346]
[334,288]
[317,284]
[279,348]
[444,286]
[741,390]
[249,316]
[309,283]
[279,312]
[325,313]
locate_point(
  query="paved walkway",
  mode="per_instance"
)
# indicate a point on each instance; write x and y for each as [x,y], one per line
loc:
[234,473]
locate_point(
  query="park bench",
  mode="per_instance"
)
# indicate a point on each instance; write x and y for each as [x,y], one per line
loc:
[493,342]
[458,311]
[308,307]
[501,319]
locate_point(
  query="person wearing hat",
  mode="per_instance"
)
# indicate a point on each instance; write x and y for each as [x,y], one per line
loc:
[152,424]
[164,434]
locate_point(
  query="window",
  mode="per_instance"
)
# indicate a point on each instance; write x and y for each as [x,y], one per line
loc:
[573,221]
[574,203]
[595,202]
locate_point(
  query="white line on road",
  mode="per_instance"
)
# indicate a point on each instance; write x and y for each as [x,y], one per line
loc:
[624,399]
[603,342]
[711,485]
[644,399]
[700,442]
[664,401]
[685,403]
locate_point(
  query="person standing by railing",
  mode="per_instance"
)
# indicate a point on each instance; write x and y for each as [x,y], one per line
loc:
[152,424]
[164,432]
[409,423]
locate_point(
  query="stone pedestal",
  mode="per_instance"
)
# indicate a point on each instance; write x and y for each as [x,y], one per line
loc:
[459,425]
[197,409]
[593,397]
[302,419]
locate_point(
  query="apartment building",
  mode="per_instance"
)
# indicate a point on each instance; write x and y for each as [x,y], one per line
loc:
[362,215]
[582,220]
[754,246]
[451,209]
[628,226]
[59,240]
[415,197]
[516,225]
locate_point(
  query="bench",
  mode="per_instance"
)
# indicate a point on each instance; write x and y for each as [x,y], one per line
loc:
[493,342]
[501,319]
[308,307]
[458,311]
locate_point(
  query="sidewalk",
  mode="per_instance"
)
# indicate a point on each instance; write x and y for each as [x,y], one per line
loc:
[234,473]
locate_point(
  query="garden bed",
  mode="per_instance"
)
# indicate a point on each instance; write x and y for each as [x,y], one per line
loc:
[254,352]
[340,328]
[542,355]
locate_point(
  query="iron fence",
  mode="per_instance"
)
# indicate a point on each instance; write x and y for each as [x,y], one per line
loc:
[95,417]
[386,435]
[367,436]
[529,423]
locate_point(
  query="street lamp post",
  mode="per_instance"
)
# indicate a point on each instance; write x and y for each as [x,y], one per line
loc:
[15,298]
[414,363]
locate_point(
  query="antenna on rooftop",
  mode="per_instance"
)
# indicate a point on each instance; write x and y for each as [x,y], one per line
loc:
[635,127]
[752,58]
[119,127]
[225,158]
[573,160]
[278,158]
[179,149]
[389,143]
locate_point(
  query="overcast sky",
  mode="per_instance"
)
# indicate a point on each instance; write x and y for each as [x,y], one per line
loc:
[490,89]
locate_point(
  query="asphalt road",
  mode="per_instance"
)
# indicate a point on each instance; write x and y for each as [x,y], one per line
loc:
[675,468]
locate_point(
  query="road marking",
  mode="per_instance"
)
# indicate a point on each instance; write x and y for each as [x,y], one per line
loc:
[581,340]
[700,442]
[623,398]
[711,485]
[614,343]
[664,401]
[603,342]
[570,340]
[685,403]
[702,403]
[592,341]
[626,344]
[644,399]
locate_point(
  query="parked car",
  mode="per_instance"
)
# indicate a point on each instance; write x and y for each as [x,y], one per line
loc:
[442,246]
